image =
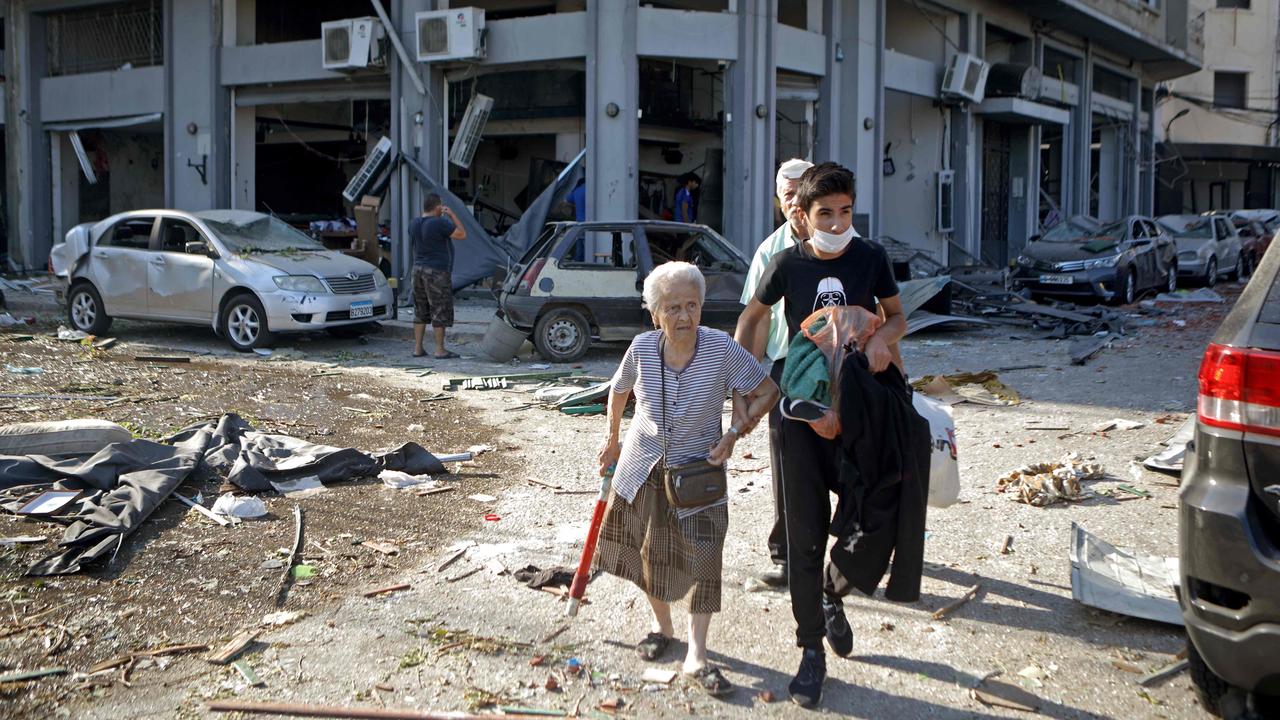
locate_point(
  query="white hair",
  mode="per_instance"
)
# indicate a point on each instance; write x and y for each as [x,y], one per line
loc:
[792,170]
[668,274]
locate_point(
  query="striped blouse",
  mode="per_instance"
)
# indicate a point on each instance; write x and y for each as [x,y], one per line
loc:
[695,403]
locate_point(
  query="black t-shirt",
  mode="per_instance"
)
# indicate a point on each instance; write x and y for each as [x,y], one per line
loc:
[432,246]
[858,277]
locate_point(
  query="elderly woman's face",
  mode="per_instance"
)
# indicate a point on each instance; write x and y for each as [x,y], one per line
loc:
[679,308]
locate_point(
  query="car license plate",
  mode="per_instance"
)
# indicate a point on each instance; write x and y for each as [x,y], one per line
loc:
[362,309]
[1056,279]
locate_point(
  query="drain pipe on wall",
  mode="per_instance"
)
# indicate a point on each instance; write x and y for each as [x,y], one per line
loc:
[394,34]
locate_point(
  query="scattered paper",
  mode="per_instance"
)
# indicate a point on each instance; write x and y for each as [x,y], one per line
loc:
[242,507]
[1042,484]
[300,488]
[1170,459]
[482,498]
[283,617]
[66,333]
[658,675]
[398,480]
[1117,424]
[478,450]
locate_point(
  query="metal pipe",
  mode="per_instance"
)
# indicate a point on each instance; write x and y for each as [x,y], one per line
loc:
[394,34]
[333,711]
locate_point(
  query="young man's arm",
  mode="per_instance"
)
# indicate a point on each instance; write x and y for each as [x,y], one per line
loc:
[878,350]
[752,332]
[459,232]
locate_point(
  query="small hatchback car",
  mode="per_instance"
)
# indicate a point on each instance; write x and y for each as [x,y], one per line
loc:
[583,281]
[245,274]
[1229,519]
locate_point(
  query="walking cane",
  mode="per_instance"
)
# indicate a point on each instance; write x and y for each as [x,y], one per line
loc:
[580,577]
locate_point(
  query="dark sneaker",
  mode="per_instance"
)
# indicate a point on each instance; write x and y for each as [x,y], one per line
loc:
[806,686]
[839,634]
[775,577]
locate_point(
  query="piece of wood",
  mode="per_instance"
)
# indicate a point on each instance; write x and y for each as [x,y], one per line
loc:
[223,521]
[162,358]
[555,633]
[384,548]
[435,490]
[234,647]
[997,701]
[455,557]
[48,396]
[1082,350]
[1163,673]
[1006,545]
[132,657]
[336,711]
[293,556]
[539,483]
[658,675]
[387,589]
[31,674]
[577,492]
[463,575]
[951,606]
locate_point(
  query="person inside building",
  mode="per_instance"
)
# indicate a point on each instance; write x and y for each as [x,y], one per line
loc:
[686,207]
[832,268]
[680,375]
[792,230]
[433,236]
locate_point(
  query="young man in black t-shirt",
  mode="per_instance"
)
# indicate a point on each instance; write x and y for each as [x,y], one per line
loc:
[833,267]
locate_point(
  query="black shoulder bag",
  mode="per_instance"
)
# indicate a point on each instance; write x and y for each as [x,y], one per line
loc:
[691,484]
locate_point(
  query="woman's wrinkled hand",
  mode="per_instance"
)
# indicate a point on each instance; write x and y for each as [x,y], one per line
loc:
[722,450]
[828,427]
[608,455]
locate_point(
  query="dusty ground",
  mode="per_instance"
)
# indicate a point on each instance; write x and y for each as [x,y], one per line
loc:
[456,645]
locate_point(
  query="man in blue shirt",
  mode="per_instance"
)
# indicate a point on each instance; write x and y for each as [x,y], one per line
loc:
[432,236]
[578,198]
[686,211]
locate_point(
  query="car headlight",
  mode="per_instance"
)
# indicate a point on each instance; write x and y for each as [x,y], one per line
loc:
[1101,262]
[1025,261]
[1187,256]
[379,279]
[300,283]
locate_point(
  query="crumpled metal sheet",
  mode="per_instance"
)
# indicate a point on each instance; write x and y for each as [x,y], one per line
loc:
[1041,484]
[1129,583]
[123,483]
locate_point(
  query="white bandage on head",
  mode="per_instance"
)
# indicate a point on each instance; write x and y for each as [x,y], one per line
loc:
[791,170]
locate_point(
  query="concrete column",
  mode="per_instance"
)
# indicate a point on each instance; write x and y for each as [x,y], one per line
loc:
[27,172]
[750,127]
[418,128]
[851,93]
[966,161]
[196,115]
[244,158]
[1082,136]
[66,174]
[613,97]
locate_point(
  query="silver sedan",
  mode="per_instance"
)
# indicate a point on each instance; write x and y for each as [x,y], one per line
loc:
[245,274]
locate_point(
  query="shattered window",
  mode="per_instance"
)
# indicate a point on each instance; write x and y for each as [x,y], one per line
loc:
[691,247]
[1188,226]
[619,250]
[134,234]
[260,234]
[1075,231]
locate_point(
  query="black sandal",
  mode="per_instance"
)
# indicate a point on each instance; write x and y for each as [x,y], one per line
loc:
[653,646]
[712,682]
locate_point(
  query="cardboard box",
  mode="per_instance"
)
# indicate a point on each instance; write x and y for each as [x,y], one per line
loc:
[366,213]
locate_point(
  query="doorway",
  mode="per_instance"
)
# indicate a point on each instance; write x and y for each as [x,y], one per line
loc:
[996,152]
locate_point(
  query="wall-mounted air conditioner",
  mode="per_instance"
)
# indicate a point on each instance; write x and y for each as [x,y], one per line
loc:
[965,78]
[352,44]
[374,163]
[946,201]
[470,130]
[456,34]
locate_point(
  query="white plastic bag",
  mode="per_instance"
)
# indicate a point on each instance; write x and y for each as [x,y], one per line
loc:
[244,506]
[944,467]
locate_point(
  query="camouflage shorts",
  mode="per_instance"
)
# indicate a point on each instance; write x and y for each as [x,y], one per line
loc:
[432,297]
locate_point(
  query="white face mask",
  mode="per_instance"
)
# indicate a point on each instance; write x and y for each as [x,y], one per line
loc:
[831,242]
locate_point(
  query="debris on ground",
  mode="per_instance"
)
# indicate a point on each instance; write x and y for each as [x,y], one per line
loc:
[300,488]
[1041,484]
[388,589]
[1003,695]
[1171,458]
[1081,350]
[234,647]
[239,506]
[951,607]
[1128,583]
[983,388]
[537,578]
[1117,424]
[399,480]
[282,617]
[1199,295]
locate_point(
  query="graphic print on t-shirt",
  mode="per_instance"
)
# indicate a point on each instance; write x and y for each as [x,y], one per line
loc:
[830,293]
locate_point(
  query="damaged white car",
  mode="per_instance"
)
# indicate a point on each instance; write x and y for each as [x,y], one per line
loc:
[245,274]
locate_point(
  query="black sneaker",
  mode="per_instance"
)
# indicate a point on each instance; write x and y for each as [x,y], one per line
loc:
[806,686]
[776,577]
[839,634]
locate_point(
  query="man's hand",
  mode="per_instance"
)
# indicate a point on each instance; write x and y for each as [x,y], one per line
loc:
[723,449]
[608,455]
[741,413]
[878,355]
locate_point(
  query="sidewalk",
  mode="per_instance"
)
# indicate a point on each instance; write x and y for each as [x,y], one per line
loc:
[472,311]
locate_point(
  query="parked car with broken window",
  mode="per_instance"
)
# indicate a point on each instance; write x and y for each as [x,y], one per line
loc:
[581,282]
[245,274]
[1229,514]
[1256,229]
[1115,262]
[1208,246]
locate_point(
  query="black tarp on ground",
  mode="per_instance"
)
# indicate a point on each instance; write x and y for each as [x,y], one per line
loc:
[123,483]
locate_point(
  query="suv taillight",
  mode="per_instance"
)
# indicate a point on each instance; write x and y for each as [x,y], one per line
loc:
[530,277]
[1240,389]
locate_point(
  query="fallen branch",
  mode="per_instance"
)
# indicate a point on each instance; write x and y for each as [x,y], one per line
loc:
[204,510]
[334,711]
[293,556]
[1163,673]
[951,606]
[389,588]
[234,647]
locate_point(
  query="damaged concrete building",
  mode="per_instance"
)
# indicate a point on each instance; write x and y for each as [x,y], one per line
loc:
[969,123]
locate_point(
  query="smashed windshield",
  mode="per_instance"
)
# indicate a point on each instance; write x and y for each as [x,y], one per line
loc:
[1073,231]
[1188,226]
[263,234]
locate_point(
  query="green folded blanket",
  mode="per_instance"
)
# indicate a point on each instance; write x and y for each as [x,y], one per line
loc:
[804,374]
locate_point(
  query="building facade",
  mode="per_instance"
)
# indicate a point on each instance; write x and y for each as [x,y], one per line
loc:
[1220,145]
[225,103]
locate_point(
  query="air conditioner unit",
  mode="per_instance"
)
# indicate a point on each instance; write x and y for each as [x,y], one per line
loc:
[965,78]
[352,44]
[456,34]
[470,129]
[374,163]
[946,201]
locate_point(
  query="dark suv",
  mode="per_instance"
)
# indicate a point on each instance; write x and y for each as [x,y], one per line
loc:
[1229,522]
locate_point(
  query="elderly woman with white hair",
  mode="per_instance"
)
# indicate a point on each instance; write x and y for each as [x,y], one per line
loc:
[680,374]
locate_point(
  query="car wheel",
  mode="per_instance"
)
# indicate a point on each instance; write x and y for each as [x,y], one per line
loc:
[1211,273]
[1171,280]
[244,323]
[1217,696]
[562,335]
[85,310]
[1128,290]
[1238,272]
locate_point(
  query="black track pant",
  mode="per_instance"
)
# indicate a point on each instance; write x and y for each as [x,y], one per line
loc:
[778,534]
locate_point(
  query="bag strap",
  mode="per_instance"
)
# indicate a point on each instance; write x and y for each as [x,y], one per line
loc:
[662,373]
